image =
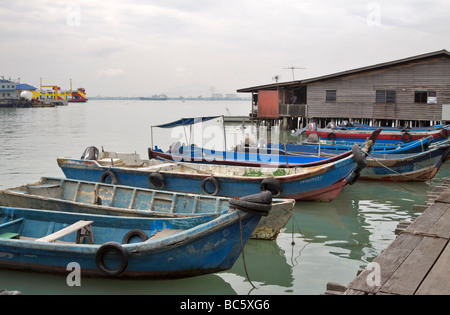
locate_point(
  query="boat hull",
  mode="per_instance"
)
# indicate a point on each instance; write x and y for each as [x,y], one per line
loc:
[321,183]
[67,195]
[418,167]
[336,147]
[386,136]
[203,247]
[250,159]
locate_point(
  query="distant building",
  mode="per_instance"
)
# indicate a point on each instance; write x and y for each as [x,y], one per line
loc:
[7,89]
[24,88]
[411,91]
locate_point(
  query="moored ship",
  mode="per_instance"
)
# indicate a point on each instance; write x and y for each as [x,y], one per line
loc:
[56,95]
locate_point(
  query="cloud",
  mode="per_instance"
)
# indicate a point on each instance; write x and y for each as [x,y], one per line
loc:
[227,44]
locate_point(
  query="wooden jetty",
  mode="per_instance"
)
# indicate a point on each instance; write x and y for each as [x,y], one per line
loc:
[417,262]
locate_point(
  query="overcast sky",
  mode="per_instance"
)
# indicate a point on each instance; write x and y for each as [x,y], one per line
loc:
[199,47]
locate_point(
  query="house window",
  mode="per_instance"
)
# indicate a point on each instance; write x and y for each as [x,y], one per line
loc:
[385,96]
[423,97]
[331,96]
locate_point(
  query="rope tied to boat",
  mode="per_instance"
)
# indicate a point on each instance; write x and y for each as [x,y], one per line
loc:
[394,172]
[387,167]
[260,204]
[426,234]
[242,251]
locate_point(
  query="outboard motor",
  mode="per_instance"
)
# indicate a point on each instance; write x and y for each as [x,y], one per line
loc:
[331,125]
[91,153]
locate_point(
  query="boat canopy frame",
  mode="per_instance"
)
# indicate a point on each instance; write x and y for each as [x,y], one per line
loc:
[184,122]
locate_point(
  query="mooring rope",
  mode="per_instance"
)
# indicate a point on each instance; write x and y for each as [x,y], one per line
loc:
[419,233]
[292,234]
[393,171]
[242,251]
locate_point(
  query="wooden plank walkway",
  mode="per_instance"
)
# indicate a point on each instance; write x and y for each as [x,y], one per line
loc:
[417,262]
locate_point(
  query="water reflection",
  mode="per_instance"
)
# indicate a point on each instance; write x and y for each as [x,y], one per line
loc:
[361,221]
[34,283]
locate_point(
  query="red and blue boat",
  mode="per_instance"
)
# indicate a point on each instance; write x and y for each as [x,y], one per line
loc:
[321,181]
[386,135]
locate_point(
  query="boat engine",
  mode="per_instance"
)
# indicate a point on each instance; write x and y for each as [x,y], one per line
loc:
[91,153]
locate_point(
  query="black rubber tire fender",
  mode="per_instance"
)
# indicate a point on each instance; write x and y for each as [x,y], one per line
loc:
[132,233]
[107,248]
[444,133]
[331,136]
[261,209]
[111,175]
[273,185]
[157,180]
[260,203]
[406,137]
[359,157]
[214,181]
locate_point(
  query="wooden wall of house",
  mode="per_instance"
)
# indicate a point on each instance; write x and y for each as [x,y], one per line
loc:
[355,97]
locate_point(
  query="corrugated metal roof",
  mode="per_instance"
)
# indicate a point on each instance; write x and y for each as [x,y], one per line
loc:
[274,86]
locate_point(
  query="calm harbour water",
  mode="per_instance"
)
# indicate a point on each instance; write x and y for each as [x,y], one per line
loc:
[331,240]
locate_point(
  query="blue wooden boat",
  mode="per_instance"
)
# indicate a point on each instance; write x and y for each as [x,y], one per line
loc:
[282,155]
[61,194]
[125,247]
[417,167]
[336,147]
[356,126]
[365,127]
[250,157]
[319,182]
[255,157]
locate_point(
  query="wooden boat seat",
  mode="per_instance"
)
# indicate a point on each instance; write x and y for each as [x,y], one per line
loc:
[45,186]
[164,233]
[111,162]
[83,228]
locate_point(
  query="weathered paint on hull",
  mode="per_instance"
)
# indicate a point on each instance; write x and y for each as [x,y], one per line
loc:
[300,186]
[270,226]
[418,168]
[94,273]
[252,159]
[384,137]
[324,194]
[336,147]
[67,195]
[207,247]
